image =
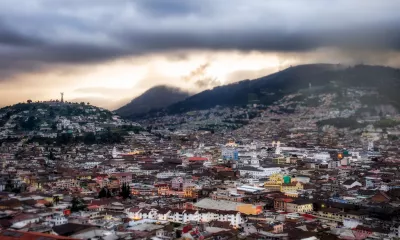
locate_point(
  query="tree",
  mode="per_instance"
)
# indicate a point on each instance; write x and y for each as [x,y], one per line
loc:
[77,205]
[52,114]
[29,101]
[51,155]
[89,138]
[125,191]
[82,103]
[29,124]
[17,189]
[56,200]
[9,186]
[104,193]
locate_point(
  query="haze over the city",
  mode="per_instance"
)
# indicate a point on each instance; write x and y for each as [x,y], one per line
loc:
[107,52]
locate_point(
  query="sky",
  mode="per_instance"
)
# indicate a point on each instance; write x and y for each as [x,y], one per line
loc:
[107,52]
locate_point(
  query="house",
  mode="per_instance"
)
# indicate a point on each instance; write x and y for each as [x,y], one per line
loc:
[281,203]
[166,233]
[348,184]
[380,197]
[335,214]
[299,206]
[9,204]
[290,187]
[21,220]
[67,183]
[123,178]
[72,229]
[56,220]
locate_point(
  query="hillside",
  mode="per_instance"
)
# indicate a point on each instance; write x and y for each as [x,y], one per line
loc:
[53,121]
[155,98]
[313,77]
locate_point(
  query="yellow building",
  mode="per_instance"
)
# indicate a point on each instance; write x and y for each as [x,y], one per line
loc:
[300,206]
[279,160]
[190,192]
[51,198]
[33,181]
[288,187]
[276,178]
[84,176]
[277,182]
[162,189]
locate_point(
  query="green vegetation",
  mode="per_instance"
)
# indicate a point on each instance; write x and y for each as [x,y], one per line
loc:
[393,137]
[341,123]
[106,137]
[125,191]
[32,123]
[298,98]
[105,193]
[252,98]
[312,102]
[56,109]
[77,205]
[386,123]
[372,100]
[131,128]
[43,116]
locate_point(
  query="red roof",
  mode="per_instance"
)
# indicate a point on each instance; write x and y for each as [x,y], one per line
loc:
[187,228]
[287,200]
[93,207]
[308,216]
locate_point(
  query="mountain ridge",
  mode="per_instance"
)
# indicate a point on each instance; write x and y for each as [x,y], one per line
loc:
[157,97]
[267,89]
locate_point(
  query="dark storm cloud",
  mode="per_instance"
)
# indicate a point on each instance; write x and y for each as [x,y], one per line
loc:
[37,34]
[10,37]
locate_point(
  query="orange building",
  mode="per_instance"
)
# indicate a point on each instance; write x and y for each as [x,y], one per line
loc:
[249,209]
[162,188]
[190,192]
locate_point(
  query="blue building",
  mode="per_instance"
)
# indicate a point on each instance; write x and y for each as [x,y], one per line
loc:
[229,153]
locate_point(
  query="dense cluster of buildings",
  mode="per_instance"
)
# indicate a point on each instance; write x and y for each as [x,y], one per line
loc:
[280,176]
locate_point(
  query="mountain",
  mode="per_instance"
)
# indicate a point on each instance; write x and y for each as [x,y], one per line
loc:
[155,98]
[311,77]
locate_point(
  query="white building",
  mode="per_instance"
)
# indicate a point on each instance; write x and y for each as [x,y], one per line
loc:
[259,172]
[185,216]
